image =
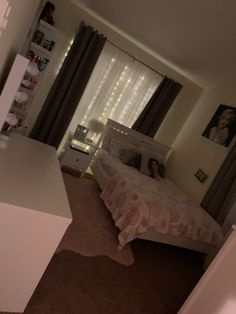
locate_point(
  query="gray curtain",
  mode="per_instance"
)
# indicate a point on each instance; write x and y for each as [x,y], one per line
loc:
[68,87]
[156,109]
[216,200]
[227,215]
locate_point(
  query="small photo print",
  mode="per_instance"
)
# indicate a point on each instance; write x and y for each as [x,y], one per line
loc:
[221,128]
[80,132]
[38,37]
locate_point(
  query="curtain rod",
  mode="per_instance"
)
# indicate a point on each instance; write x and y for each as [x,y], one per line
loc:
[162,75]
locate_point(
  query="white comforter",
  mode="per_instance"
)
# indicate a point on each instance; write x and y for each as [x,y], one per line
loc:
[138,203]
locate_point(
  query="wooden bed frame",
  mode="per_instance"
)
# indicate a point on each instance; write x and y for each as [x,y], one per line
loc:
[114,129]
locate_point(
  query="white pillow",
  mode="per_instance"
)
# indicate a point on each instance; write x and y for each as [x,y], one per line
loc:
[158,154]
[117,145]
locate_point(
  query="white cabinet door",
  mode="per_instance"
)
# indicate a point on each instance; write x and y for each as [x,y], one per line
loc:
[34,215]
[215,293]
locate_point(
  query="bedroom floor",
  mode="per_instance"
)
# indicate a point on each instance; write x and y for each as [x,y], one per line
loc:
[159,281]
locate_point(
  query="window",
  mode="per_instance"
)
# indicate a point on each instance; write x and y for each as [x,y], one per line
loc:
[119,88]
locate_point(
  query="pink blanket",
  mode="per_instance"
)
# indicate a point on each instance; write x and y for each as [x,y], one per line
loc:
[138,203]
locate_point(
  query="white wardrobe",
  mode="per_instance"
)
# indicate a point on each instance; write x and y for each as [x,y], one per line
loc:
[215,293]
[34,215]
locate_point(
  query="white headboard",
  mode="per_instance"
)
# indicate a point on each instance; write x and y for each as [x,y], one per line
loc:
[115,129]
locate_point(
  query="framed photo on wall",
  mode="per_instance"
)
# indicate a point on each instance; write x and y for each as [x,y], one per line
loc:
[221,128]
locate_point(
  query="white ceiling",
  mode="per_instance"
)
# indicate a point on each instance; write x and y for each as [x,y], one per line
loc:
[197,36]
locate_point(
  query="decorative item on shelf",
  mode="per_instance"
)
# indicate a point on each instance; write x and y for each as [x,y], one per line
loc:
[24,106]
[3,141]
[31,55]
[42,64]
[32,68]
[95,129]
[45,38]
[21,97]
[38,37]
[11,121]
[20,121]
[47,13]
[51,45]
[37,65]
[29,82]
[48,44]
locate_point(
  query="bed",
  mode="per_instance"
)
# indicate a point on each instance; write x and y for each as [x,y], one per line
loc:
[143,207]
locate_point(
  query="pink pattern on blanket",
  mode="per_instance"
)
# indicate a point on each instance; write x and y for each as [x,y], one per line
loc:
[138,203]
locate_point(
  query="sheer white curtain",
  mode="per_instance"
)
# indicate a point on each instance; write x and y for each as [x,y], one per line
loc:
[119,88]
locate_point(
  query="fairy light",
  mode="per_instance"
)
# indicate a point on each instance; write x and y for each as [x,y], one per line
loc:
[65,55]
[125,99]
[108,104]
[122,77]
[132,99]
[104,114]
[90,106]
[142,104]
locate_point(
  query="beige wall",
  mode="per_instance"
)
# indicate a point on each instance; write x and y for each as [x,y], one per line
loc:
[14,36]
[68,17]
[192,151]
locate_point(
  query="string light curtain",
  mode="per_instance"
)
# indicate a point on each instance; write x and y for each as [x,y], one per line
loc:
[68,87]
[119,88]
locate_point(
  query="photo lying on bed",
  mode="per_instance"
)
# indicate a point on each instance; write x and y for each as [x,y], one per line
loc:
[152,167]
[156,169]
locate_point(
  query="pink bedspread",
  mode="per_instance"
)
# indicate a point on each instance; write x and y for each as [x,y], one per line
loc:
[138,203]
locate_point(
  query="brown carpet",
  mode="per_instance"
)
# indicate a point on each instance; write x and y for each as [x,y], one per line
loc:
[157,283]
[92,232]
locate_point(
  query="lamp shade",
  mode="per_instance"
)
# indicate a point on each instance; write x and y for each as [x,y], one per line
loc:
[95,126]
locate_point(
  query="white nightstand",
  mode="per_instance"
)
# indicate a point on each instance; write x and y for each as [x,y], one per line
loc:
[78,155]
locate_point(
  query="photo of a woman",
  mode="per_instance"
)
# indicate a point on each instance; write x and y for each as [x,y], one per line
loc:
[222,127]
[155,168]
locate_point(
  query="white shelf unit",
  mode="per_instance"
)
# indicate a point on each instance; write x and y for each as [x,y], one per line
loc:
[42,52]
[45,38]
[39,53]
[11,86]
